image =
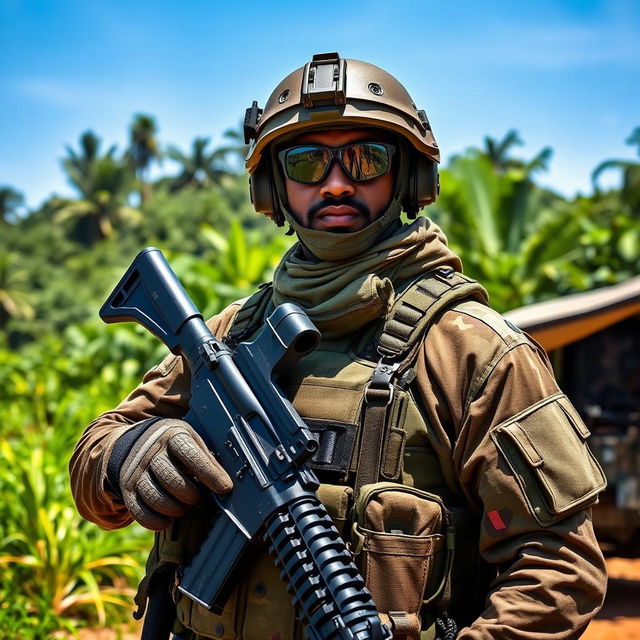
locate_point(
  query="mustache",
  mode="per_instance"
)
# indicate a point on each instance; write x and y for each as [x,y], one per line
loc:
[347,201]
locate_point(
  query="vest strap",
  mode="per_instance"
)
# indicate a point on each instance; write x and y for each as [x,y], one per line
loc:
[404,330]
[415,309]
[378,395]
[250,316]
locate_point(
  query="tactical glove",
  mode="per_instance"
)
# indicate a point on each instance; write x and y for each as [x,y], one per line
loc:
[160,469]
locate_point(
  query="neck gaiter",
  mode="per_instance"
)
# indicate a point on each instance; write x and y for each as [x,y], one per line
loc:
[354,281]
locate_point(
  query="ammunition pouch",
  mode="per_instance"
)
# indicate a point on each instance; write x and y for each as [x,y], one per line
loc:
[403,543]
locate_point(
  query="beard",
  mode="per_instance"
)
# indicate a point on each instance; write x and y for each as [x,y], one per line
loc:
[348,201]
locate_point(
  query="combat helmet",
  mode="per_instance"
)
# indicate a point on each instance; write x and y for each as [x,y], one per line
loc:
[329,92]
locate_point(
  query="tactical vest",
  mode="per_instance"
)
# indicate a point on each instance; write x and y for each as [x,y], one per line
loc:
[389,492]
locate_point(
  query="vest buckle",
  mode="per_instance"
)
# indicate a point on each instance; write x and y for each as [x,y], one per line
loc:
[381,381]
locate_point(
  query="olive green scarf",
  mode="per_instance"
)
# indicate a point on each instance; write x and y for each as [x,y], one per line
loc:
[341,296]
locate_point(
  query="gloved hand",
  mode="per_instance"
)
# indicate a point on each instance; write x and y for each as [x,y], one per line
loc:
[160,468]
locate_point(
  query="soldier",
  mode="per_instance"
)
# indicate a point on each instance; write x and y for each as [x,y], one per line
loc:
[448,456]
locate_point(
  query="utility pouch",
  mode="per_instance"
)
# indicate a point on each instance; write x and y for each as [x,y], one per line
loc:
[555,482]
[337,500]
[403,543]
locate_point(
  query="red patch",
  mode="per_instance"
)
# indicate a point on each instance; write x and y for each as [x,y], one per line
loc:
[496,520]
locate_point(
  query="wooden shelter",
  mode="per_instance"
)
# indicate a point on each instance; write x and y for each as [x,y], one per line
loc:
[557,323]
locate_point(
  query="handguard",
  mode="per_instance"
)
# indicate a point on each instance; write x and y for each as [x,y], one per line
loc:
[240,412]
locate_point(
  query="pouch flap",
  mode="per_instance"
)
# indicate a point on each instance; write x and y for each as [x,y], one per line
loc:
[392,508]
[522,440]
[336,499]
[546,450]
[406,545]
[574,418]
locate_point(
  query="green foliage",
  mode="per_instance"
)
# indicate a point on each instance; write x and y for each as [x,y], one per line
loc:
[68,569]
[230,269]
[11,201]
[18,619]
[14,294]
[527,244]
[59,570]
[630,190]
[506,229]
[65,367]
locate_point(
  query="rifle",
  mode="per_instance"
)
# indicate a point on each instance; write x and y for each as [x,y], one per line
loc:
[259,438]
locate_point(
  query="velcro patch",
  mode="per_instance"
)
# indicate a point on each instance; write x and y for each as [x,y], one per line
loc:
[497,522]
[461,324]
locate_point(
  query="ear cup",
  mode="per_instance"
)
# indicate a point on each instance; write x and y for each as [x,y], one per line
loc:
[422,183]
[427,181]
[260,190]
[263,193]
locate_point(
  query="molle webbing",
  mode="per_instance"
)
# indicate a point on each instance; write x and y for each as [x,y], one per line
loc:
[402,334]
[250,317]
[415,309]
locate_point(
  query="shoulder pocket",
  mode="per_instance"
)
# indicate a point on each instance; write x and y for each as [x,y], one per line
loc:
[545,447]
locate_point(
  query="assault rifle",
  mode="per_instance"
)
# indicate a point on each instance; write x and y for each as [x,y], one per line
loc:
[261,441]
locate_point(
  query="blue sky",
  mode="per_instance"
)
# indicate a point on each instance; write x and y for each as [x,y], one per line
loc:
[564,73]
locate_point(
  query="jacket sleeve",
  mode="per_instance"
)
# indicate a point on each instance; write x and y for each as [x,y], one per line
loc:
[521,460]
[164,391]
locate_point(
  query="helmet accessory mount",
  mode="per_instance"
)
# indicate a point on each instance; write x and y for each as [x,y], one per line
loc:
[323,81]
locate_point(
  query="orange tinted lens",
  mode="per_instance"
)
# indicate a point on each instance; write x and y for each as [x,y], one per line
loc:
[307,164]
[365,161]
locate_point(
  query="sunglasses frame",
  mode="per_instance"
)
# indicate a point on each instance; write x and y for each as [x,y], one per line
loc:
[336,152]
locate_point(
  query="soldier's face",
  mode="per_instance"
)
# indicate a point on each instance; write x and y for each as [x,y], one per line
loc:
[339,203]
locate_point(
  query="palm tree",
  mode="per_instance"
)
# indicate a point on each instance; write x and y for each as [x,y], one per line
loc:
[14,300]
[79,165]
[630,190]
[235,146]
[200,168]
[143,148]
[10,202]
[498,153]
[103,183]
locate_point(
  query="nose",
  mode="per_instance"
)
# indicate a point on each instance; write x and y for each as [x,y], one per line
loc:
[337,184]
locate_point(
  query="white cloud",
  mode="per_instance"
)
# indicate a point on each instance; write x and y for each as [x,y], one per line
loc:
[549,46]
[51,92]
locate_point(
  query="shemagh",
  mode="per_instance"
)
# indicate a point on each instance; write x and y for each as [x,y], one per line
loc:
[355,278]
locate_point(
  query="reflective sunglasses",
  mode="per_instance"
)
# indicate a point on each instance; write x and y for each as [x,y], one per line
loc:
[361,161]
